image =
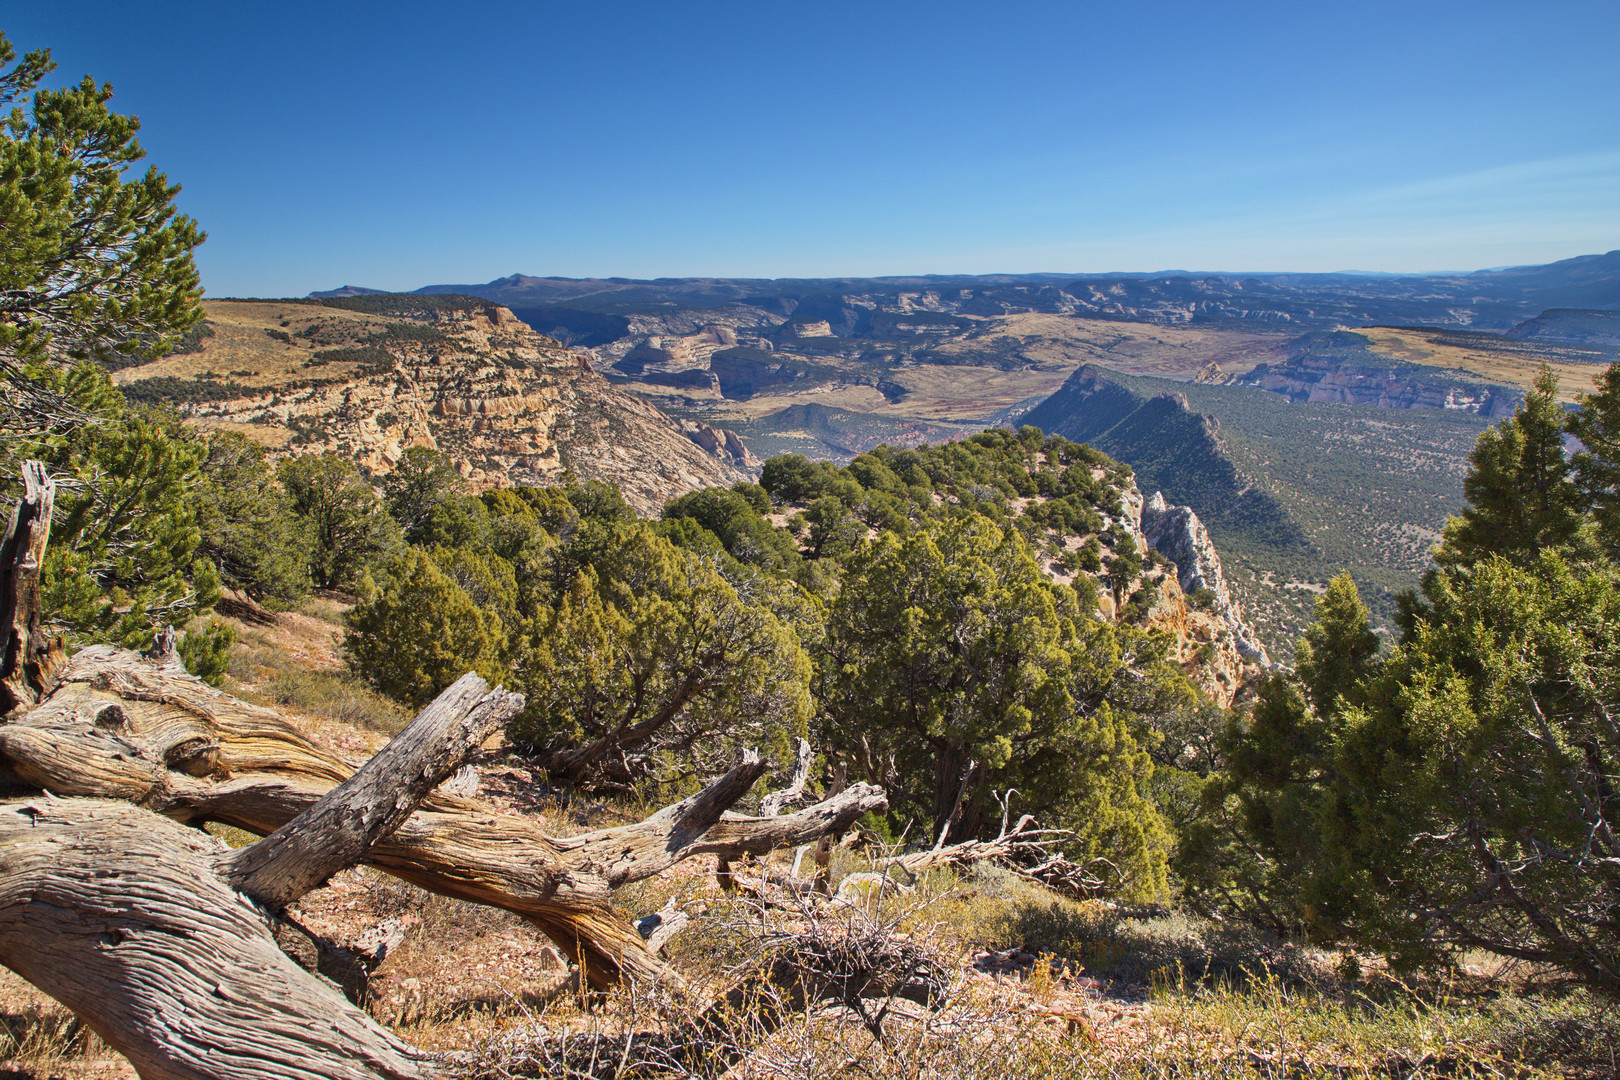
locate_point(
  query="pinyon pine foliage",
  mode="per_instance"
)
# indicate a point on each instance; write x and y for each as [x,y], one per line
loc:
[96,272]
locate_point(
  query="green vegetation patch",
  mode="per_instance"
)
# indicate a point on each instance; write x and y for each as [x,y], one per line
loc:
[409,305]
[371,359]
[172,390]
[409,333]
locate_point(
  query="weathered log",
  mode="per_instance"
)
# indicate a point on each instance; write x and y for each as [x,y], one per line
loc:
[365,809]
[117,913]
[194,942]
[1026,849]
[661,927]
[824,846]
[126,727]
[777,801]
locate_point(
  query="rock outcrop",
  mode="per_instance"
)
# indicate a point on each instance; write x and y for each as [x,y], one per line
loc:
[1189,599]
[1341,367]
[1192,602]
[508,405]
[1176,533]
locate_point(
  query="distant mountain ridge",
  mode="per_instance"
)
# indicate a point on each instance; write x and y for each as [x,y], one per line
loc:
[1579,326]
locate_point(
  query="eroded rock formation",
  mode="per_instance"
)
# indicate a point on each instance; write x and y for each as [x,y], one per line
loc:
[508,405]
[1176,533]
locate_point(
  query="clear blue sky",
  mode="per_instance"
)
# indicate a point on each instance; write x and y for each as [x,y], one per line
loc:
[400,144]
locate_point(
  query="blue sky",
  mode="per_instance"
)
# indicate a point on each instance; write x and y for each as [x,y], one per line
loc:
[401,144]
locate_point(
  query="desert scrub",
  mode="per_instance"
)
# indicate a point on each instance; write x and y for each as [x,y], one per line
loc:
[261,671]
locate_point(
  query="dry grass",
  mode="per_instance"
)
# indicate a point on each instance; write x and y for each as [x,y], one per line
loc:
[1074,1012]
[1093,992]
[293,666]
[241,346]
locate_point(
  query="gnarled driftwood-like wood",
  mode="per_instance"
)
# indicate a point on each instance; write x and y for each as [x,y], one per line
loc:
[117,913]
[353,817]
[128,727]
[165,943]
[29,658]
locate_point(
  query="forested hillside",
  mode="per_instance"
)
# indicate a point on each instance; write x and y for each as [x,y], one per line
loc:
[1292,492]
[1460,785]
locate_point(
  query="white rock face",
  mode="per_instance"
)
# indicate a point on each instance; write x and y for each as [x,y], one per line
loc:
[507,405]
[1176,533]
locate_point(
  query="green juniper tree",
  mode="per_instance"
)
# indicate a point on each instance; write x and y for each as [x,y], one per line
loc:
[249,529]
[345,521]
[1521,497]
[1459,791]
[124,557]
[421,481]
[414,630]
[952,669]
[1596,466]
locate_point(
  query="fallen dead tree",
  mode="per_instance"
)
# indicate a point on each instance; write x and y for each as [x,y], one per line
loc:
[1025,849]
[122,751]
[140,729]
[163,940]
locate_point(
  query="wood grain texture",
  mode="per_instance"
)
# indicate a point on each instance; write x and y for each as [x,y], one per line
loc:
[29,658]
[348,821]
[117,913]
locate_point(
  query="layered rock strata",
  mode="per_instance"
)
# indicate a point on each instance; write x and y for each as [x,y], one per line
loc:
[1176,533]
[506,404]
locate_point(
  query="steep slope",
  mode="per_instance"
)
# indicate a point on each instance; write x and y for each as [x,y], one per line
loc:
[366,376]
[1291,493]
[1598,330]
[1216,645]
[1083,517]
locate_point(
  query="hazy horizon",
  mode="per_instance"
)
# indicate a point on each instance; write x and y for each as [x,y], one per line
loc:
[1163,272]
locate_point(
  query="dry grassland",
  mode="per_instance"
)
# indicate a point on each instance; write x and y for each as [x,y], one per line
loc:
[1517,367]
[244,352]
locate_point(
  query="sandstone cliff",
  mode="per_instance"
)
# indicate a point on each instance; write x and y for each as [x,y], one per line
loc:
[1189,598]
[380,374]
[1342,367]
[1176,533]
[1216,646]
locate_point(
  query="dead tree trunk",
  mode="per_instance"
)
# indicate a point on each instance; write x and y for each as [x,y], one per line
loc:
[163,941]
[29,658]
[117,913]
[123,726]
